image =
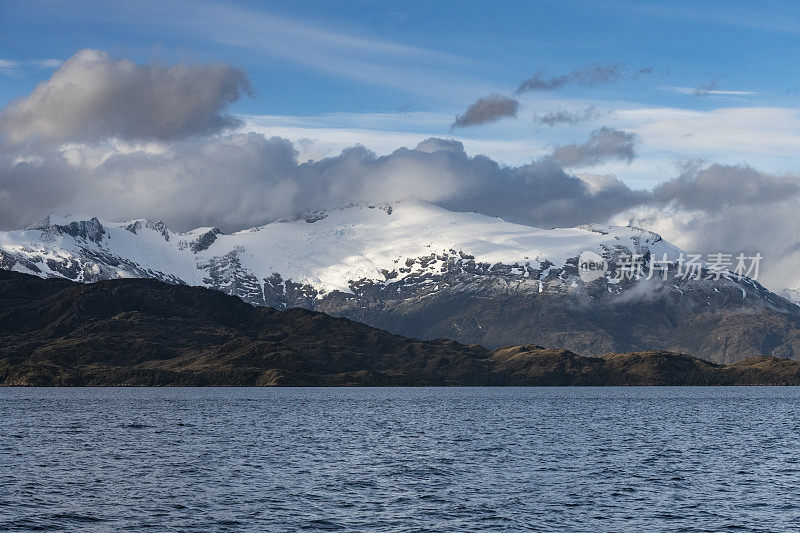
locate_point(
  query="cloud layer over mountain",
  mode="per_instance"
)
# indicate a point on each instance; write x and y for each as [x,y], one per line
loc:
[241,180]
[116,139]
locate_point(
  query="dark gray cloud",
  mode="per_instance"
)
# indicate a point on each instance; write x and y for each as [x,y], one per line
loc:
[592,75]
[769,229]
[242,180]
[729,209]
[542,194]
[604,144]
[235,181]
[487,109]
[37,185]
[718,187]
[559,116]
[94,97]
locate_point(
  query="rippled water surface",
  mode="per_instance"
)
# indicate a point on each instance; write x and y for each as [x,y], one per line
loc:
[400,459]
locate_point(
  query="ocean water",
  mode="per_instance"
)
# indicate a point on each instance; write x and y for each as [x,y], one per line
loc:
[410,459]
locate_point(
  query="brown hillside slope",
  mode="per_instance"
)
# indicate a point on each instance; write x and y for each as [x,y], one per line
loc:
[144,332]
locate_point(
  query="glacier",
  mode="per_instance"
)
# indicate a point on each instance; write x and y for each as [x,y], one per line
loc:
[325,251]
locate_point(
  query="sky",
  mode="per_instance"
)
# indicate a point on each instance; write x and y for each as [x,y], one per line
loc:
[682,117]
[319,67]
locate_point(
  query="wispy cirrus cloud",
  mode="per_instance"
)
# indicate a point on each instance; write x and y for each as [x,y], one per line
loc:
[732,132]
[9,67]
[344,54]
[709,89]
[751,16]
[14,68]
[47,63]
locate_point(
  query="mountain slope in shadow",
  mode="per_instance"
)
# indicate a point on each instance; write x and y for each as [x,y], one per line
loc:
[145,332]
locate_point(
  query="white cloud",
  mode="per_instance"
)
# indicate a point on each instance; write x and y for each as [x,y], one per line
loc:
[766,137]
[9,67]
[734,130]
[47,63]
[702,91]
[769,230]
[327,135]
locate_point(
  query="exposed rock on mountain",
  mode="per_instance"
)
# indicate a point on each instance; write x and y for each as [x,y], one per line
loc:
[145,332]
[425,272]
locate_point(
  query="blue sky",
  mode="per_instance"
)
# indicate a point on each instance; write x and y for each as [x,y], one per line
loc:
[385,74]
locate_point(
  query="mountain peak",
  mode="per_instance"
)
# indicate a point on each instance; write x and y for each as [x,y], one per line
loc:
[135,226]
[331,249]
[400,266]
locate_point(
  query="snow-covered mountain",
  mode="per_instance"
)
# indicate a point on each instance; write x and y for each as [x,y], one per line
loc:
[793,295]
[412,268]
[324,251]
